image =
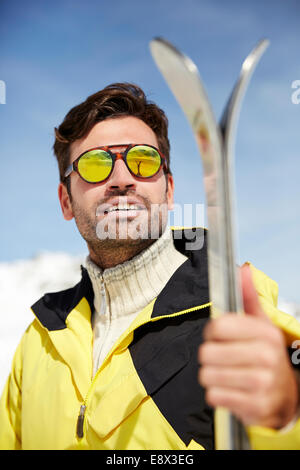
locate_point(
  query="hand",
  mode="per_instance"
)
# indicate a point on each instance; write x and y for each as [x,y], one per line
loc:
[244,365]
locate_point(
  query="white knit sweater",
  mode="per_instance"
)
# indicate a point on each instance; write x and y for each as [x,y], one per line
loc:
[123,291]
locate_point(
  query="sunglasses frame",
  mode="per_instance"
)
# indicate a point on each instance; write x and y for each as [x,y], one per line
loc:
[115,156]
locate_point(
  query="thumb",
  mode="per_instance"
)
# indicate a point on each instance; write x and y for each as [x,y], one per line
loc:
[251,301]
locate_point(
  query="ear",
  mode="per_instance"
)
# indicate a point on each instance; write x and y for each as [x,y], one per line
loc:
[170,191]
[65,202]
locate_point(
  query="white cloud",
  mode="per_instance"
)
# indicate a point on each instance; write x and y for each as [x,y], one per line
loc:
[22,283]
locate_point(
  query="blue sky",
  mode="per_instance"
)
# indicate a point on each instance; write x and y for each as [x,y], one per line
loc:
[54,54]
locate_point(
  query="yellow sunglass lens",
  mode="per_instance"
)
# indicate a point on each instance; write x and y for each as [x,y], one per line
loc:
[95,166]
[143,161]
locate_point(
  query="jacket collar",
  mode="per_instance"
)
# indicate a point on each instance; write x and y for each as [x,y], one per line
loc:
[54,307]
[187,288]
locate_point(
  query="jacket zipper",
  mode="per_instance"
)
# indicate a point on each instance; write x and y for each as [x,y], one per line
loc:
[81,416]
[83,406]
[80,421]
[103,297]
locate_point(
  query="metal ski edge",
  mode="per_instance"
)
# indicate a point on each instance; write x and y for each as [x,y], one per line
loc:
[228,126]
[232,109]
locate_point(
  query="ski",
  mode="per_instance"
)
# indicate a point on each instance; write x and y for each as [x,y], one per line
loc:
[228,125]
[216,146]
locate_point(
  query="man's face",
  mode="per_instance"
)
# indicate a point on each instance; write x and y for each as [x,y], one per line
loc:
[124,208]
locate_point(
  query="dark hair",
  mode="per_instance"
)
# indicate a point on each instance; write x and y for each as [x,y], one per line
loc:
[117,99]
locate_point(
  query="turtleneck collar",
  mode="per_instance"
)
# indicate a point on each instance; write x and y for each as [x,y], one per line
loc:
[130,286]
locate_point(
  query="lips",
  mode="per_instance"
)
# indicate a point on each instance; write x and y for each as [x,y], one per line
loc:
[120,206]
[123,207]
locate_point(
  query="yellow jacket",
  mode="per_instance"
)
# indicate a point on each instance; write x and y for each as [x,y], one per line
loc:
[145,395]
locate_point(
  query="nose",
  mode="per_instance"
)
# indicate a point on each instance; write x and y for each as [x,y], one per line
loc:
[121,178]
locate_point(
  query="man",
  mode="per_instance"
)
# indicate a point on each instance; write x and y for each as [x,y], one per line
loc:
[113,362]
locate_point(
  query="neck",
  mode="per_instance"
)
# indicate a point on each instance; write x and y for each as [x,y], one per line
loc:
[110,253]
[133,284]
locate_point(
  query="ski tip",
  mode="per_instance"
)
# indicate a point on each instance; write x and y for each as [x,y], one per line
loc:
[262,44]
[265,40]
[158,38]
[162,42]
[255,55]
[165,54]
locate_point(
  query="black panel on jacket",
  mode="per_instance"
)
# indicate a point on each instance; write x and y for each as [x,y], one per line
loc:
[53,308]
[164,354]
[188,287]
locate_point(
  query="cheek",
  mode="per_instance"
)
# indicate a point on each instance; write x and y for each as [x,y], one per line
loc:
[156,196]
[157,191]
[86,195]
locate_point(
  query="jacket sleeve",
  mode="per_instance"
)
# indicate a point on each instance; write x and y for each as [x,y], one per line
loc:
[263,438]
[10,406]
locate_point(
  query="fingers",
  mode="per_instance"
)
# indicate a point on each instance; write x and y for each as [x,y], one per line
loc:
[242,404]
[255,395]
[236,354]
[244,366]
[239,378]
[233,327]
[251,302]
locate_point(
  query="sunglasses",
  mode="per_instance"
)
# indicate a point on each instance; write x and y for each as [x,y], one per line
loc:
[96,165]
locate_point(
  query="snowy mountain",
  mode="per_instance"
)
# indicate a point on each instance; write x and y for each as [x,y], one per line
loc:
[22,283]
[25,281]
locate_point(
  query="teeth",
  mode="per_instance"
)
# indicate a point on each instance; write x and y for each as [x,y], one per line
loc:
[122,207]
